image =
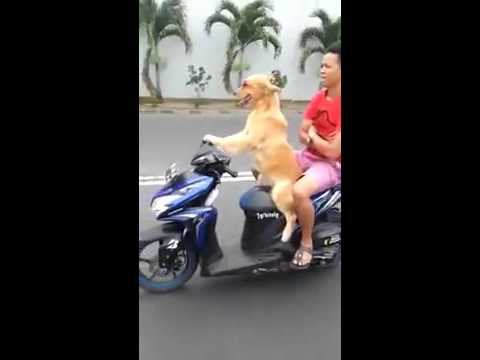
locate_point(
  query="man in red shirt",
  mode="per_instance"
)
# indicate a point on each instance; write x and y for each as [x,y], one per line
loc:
[320,132]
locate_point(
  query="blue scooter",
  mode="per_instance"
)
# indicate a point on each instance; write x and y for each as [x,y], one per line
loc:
[170,253]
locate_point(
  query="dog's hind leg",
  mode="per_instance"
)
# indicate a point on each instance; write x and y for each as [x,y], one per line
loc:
[263,180]
[283,198]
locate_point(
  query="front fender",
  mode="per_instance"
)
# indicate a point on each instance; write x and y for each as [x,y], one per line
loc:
[199,223]
[165,230]
[193,224]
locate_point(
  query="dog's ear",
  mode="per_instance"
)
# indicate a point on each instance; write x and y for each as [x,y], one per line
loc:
[272,87]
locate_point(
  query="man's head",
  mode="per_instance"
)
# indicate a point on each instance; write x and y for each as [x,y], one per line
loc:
[331,69]
[255,88]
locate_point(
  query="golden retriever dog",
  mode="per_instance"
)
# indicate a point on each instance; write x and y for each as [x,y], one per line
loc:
[265,136]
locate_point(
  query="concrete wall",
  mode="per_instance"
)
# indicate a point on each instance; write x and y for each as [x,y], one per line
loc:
[209,51]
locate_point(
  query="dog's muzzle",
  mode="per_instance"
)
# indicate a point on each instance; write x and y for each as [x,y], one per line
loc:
[245,100]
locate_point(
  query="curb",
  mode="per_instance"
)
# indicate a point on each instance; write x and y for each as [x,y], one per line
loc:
[206,111]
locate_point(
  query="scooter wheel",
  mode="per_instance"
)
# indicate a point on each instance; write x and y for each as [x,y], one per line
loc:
[155,277]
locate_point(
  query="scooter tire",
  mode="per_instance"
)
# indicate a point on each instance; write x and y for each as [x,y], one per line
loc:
[169,286]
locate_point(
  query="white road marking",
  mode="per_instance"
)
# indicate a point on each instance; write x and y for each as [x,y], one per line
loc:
[160,180]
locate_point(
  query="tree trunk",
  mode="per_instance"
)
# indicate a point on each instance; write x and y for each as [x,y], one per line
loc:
[197,101]
[146,74]
[158,92]
[240,73]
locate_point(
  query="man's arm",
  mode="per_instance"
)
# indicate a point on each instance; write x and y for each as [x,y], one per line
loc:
[309,113]
[330,149]
[303,131]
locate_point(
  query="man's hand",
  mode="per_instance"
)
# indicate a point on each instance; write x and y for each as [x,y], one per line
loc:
[330,148]
[311,132]
[303,132]
[304,138]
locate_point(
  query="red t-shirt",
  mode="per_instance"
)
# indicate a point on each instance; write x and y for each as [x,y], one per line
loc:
[326,115]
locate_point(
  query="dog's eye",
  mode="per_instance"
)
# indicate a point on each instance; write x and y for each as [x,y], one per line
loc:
[244,83]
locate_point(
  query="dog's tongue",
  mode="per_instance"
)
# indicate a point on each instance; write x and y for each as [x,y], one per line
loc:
[243,101]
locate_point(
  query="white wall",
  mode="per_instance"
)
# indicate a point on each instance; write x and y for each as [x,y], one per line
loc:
[209,51]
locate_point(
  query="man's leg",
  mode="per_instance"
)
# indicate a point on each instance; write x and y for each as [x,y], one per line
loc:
[302,190]
[320,176]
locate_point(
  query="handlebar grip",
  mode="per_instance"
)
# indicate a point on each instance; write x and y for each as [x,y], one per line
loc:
[231,172]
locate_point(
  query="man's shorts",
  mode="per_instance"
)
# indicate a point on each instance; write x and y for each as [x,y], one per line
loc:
[327,173]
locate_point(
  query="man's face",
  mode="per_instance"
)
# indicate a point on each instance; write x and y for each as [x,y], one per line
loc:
[330,71]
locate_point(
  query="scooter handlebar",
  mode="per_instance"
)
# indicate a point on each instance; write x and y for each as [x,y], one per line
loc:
[231,172]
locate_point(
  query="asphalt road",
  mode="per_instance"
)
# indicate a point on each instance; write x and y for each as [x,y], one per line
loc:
[271,317]
[165,138]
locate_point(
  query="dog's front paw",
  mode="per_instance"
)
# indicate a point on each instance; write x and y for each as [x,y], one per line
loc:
[210,139]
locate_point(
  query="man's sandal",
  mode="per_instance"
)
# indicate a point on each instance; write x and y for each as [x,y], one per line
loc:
[298,262]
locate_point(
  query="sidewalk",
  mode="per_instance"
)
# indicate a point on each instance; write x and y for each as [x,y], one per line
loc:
[211,105]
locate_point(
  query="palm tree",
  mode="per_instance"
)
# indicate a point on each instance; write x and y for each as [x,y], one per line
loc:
[160,22]
[247,26]
[325,36]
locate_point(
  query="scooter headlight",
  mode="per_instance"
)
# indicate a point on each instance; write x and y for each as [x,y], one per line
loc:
[162,203]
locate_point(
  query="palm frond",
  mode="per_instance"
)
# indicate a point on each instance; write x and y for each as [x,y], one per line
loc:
[311,33]
[273,40]
[178,13]
[323,16]
[146,11]
[217,18]
[176,31]
[268,22]
[253,15]
[249,24]
[250,27]
[306,54]
[231,7]
[266,39]
[247,31]
[332,33]
[257,4]
[338,24]
[173,3]
[171,12]
[255,10]
[337,43]
[162,19]
[174,6]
